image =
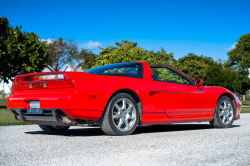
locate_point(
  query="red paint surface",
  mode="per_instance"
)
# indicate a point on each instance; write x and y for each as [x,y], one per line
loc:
[162,102]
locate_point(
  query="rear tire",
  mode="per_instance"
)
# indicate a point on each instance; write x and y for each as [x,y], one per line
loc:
[121,116]
[54,129]
[224,113]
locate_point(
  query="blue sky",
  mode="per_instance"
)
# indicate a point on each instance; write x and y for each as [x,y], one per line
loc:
[203,27]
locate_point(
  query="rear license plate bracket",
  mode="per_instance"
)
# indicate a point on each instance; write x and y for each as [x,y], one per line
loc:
[34,108]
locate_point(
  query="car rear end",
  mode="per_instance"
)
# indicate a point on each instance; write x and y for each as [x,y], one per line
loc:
[45,98]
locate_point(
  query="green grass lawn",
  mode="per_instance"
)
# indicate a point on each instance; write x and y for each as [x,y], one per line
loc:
[7,118]
[2,103]
[245,110]
[246,102]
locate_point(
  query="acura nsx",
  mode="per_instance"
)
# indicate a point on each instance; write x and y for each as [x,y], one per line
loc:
[119,97]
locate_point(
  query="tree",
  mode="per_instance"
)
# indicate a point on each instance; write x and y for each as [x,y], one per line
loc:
[219,75]
[194,65]
[86,59]
[240,55]
[61,51]
[127,51]
[239,58]
[20,52]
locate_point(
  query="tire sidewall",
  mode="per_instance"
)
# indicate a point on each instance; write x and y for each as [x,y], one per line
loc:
[109,109]
[217,112]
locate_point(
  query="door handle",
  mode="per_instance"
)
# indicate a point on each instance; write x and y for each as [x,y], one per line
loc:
[161,84]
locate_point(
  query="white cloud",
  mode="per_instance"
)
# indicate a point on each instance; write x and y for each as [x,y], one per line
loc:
[48,41]
[91,45]
[232,47]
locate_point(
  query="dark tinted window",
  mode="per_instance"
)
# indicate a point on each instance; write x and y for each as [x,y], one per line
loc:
[119,69]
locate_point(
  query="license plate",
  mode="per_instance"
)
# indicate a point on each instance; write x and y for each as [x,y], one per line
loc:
[34,108]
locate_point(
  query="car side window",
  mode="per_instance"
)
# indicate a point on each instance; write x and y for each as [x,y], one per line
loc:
[129,70]
[164,74]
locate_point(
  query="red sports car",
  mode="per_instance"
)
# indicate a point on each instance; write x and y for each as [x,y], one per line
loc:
[118,97]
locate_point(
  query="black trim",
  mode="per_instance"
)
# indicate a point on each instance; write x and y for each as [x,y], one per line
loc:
[236,118]
[176,71]
[38,117]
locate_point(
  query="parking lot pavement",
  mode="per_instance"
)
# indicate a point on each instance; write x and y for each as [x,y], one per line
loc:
[178,144]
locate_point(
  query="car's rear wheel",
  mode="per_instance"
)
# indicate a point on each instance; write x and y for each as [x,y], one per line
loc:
[54,129]
[121,115]
[224,113]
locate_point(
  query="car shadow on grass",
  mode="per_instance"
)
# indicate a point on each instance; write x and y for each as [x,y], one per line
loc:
[76,132]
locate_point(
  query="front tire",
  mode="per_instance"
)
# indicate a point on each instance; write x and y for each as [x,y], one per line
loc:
[54,129]
[224,114]
[121,116]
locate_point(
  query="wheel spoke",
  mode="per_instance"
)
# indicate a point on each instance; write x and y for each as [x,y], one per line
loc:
[229,106]
[231,117]
[126,123]
[129,109]
[224,119]
[225,104]
[228,119]
[131,117]
[117,116]
[120,123]
[118,107]
[124,104]
[222,108]
[222,113]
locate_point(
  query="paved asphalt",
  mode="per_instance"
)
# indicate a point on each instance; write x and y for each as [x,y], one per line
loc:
[179,144]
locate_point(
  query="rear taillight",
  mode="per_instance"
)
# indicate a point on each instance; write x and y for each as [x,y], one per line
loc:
[42,81]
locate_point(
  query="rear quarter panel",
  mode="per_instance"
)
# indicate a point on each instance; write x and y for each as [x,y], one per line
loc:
[104,86]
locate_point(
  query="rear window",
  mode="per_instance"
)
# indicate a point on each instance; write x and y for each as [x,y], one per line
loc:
[119,69]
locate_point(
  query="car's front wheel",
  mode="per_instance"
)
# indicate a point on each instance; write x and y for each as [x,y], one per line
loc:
[54,129]
[224,113]
[121,116]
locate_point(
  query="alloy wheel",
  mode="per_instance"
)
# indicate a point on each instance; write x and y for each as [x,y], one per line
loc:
[124,114]
[225,112]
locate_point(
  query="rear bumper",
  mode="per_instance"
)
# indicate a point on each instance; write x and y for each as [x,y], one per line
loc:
[49,117]
[68,100]
[52,117]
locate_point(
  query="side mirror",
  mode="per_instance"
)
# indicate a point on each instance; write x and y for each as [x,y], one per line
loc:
[198,82]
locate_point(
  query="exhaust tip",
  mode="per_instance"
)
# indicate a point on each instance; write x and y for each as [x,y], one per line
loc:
[68,121]
[18,118]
